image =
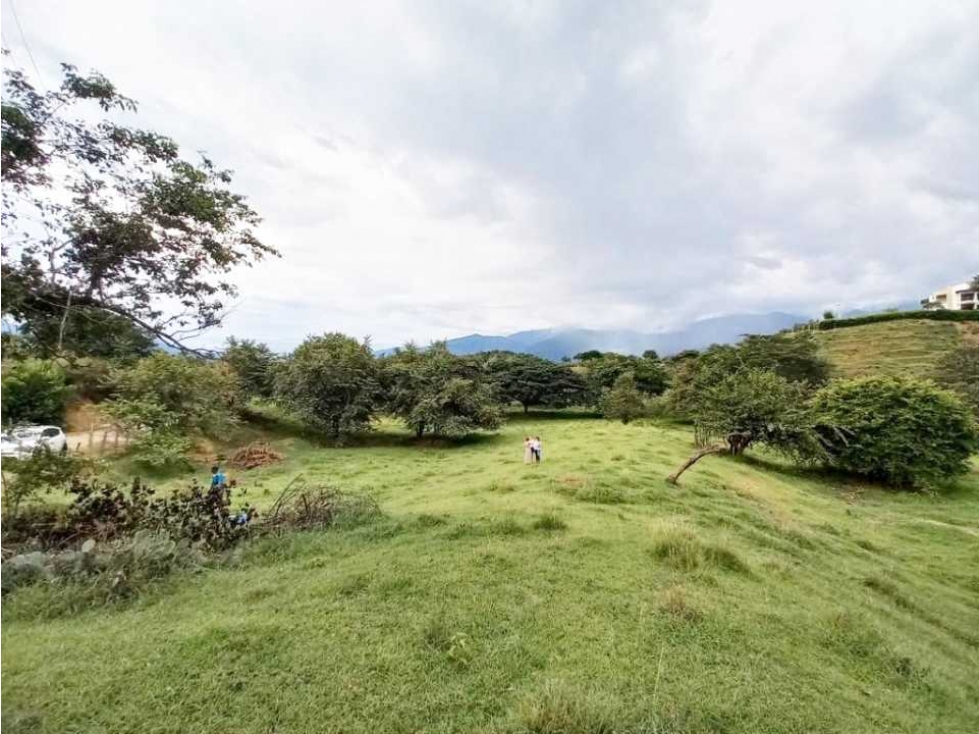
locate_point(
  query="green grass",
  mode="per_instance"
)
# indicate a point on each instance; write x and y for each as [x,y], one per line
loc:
[581,595]
[893,348]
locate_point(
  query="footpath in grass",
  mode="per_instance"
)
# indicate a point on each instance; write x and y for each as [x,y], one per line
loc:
[582,595]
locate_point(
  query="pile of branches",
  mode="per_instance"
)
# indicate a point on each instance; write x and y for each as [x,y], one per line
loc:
[304,506]
[254,455]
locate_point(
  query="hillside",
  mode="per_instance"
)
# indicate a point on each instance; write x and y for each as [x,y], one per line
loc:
[557,343]
[583,595]
[908,347]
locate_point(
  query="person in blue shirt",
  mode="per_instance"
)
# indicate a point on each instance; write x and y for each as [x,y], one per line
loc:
[217,477]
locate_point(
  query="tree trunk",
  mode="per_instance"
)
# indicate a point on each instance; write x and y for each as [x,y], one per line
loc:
[419,431]
[526,408]
[674,478]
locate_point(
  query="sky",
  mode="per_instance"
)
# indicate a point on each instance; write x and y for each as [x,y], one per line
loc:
[433,169]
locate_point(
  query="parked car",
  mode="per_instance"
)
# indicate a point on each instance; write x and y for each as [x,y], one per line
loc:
[21,442]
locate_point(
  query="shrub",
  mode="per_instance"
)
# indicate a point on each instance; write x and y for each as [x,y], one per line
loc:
[34,391]
[42,471]
[549,522]
[254,364]
[168,392]
[896,430]
[937,315]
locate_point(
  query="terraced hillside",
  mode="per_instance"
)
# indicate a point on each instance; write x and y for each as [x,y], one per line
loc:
[893,347]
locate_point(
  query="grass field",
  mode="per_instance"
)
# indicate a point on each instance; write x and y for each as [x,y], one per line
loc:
[893,347]
[583,595]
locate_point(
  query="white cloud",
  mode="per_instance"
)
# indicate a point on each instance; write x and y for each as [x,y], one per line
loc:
[431,169]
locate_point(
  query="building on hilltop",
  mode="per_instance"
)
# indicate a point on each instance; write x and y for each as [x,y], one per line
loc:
[961,297]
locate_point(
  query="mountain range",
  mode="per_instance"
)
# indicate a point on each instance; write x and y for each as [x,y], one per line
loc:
[557,343]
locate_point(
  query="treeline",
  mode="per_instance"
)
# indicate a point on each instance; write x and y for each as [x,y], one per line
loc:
[828,324]
[333,384]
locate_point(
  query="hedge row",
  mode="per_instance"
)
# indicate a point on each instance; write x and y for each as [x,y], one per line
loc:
[938,315]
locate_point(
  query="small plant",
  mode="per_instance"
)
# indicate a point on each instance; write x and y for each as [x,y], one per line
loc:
[549,522]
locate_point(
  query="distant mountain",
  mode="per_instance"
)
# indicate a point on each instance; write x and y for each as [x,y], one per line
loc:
[557,343]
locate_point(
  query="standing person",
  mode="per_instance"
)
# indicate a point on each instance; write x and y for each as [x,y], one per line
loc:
[217,477]
[535,446]
[528,451]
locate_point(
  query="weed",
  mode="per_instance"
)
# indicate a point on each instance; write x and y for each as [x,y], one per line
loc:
[549,522]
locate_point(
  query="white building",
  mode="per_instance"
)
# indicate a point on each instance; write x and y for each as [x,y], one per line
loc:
[961,297]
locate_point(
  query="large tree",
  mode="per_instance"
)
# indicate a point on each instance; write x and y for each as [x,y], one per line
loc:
[531,381]
[331,382]
[433,391]
[111,219]
[254,364]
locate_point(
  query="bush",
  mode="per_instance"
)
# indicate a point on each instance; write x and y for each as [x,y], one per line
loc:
[34,391]
[165,400]
[900,431]
[938,315]
[254,364]
[42,471]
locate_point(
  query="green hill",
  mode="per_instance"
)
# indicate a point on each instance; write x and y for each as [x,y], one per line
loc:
[582,595]
[907,347]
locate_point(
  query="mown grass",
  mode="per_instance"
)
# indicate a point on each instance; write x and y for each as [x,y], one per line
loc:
[581,595]
[909,348]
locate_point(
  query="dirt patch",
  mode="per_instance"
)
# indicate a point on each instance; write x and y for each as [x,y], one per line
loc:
[255,455]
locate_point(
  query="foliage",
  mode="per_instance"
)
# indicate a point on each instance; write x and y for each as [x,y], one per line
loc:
[794,357]
[34,391]
[623,401]
[602,372]
[331,382]
[896,430]
[756,406]
[85,332]
[42,471]
[172,393]
[828,315]
[936,315]
[254,364]
[100,573]
[958,371]
[436,392]
[530,381]
[111,219]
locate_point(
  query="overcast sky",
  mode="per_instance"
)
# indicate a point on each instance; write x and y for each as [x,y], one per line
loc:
[431,169]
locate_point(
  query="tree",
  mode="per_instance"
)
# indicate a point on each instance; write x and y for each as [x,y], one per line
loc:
[435,392]
[34,391]
[254,364]
[755,406]
[651,354]
[111,219]
[958,371]
[331,382]
[828,315]
[603,371]
[83,331]
[530,381]
[167,401]
[974,283]
[896,430]
[623,401]
[589,355]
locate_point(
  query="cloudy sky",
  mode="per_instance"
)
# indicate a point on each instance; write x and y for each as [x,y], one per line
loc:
[431,169]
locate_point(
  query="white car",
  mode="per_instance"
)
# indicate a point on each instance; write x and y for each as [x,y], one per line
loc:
[21,442]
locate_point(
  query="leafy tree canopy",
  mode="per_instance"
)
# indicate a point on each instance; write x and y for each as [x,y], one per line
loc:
[331,382]
[623,401]
[530,381]
[896,430]
[110,218]
[254,364]
[436,392]
[34,391]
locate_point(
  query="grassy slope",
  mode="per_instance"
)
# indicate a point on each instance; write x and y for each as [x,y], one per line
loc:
[893,347]
[753,599]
